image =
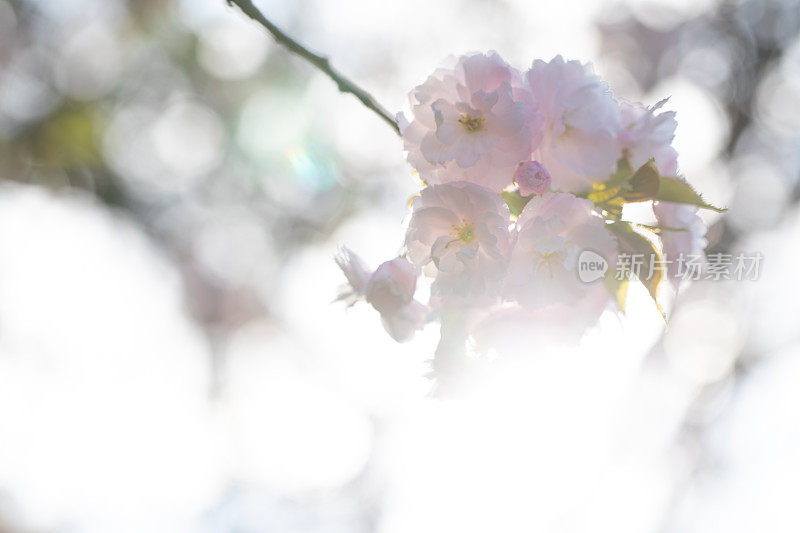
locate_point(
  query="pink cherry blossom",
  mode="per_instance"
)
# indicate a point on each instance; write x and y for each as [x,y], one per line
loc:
[392,285]
[581,123]
[552,231]
[646,135]
[479,128]
[689,240]
[506,329]
[403,322]
[532,178]
[469,123]
[458,233]
[389,289]
[356,273]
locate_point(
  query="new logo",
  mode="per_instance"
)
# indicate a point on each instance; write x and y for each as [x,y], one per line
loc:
[591,266]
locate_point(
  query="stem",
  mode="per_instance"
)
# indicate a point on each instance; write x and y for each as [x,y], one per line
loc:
[321,62]
[450,361]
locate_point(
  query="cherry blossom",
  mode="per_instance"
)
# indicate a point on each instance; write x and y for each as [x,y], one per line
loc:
[392,285]
[581,123]
[647,135]
[506,328]
[532,178]
[513,268]
[458,233]
[469,123]
[552,231]
[683,234]
[402,323]
[389,289]
[356,273]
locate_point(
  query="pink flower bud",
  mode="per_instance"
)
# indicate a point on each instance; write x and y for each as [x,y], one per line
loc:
[402,323]
[532,178]
[392,285]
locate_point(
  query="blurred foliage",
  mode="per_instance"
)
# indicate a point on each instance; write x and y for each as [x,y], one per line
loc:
[148,111]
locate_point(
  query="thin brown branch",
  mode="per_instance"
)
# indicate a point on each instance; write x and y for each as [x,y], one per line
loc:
[320,62]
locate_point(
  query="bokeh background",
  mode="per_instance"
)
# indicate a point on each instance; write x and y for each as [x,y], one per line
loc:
[173,186]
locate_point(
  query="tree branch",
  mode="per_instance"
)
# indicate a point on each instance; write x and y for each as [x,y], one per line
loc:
[322,63]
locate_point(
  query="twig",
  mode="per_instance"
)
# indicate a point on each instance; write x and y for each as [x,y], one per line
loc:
[322,63]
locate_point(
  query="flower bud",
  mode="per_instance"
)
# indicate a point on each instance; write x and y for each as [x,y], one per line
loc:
[402,323]
[356,273]
[532,178]
[392,285]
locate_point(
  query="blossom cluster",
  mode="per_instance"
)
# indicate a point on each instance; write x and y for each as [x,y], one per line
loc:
[522,173]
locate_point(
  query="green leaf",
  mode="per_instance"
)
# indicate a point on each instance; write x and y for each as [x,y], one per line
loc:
[678,191]
[515,201]
[604,192]
[601,194]
[658,230]
[644,184]
[633,242]
[625,186]
[623,173]
[609,200]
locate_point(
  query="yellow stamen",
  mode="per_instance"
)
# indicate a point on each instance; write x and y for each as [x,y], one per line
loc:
[547,259]
[464,232]
[471,124]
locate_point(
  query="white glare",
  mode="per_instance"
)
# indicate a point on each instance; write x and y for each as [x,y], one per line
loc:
[103,379]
